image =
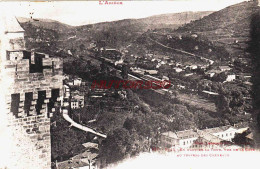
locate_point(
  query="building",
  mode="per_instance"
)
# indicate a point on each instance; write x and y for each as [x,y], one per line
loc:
[77,82]
[73,81]
[230,77]
[66,91]
[207,140]
[77,99]
[77,103]
[224,68]
[192,67]
[217,70]
[181,139]
[177,70]
[226,133]
[86,159]
[89,145]
[169,139]
[186,138]
[191,138]
[151,72]
[31,86]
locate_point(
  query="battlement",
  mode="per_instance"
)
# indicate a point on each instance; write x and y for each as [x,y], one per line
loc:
[32,75]
[32,85]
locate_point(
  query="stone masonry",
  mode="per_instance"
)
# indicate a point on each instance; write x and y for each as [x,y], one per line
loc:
[31,85]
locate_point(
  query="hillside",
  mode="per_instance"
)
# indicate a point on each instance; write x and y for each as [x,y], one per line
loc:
[46,24]
[122,32]
[176,18]
[221,36]
[116,34]
[229,27]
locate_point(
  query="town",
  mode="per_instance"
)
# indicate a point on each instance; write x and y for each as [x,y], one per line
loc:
[68,104]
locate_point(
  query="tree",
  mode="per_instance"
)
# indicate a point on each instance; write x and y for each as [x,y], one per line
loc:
[116,146]
[204,120]
[240,138]
[82,47]
[125,70]
[108,121]
[180,117]
[66,142]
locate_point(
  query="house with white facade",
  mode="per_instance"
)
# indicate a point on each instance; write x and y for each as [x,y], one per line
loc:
[77,81]
[226,133]
[77,102]
[66,91]
[230,77]
[186,138]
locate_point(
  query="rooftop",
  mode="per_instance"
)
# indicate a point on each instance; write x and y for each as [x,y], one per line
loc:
[225,67]
[217,129]
[209,137]
[205,133]
[76,163]
[186,134]
[211,93]
[170,134]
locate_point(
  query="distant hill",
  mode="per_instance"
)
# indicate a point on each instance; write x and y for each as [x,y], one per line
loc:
[46,24]
[122,32]
[175,18]
[116,34]
[157,21]
[222,35]
[229,27]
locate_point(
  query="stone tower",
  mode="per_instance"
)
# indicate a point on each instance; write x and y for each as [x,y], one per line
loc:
[31,86]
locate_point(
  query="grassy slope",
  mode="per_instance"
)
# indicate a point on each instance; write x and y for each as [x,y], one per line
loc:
[226,26]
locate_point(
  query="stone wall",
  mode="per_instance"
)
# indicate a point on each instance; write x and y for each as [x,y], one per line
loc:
[30,127]
[31,86]
[31,146]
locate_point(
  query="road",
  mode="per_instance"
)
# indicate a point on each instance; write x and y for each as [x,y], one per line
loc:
[79,126]
[181,51]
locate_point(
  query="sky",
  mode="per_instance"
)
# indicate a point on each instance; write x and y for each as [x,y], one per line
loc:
[88,12]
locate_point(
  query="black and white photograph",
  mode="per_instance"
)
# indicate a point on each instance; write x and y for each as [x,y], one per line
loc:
[130,84]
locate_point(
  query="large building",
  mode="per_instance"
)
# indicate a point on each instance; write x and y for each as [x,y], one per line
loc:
[31,84]
[186,138]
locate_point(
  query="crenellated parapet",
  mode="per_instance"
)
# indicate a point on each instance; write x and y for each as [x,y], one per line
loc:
[32,78]
[32,85]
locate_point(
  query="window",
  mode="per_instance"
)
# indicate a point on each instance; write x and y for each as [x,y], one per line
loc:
[28,102]
[15,99]
[40,100]
[16,69]
[54,95]
[36,62]
[222,135]
[52,66]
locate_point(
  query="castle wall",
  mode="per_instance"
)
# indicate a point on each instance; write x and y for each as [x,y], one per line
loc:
[32,123]
[31,86]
